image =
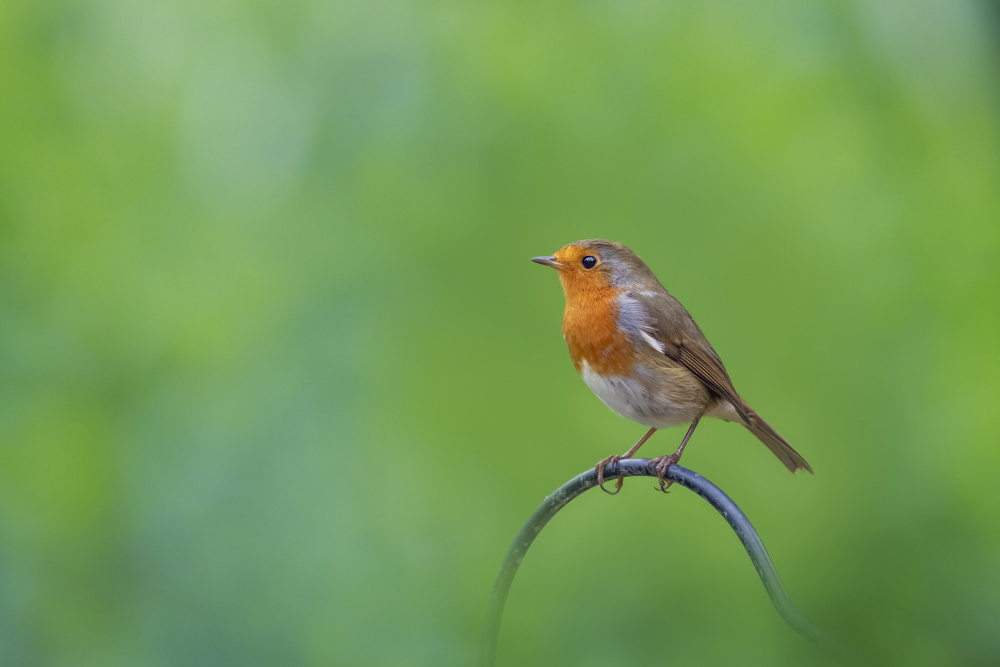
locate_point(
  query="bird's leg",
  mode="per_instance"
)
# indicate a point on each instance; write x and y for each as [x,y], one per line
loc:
[664,462]
[616,459]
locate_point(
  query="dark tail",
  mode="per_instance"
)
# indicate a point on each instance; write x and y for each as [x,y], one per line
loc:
[766,434]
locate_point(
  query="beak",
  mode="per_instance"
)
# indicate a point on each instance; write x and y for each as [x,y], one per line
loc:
[547,261]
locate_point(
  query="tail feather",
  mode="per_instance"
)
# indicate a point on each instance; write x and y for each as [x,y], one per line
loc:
[766,434]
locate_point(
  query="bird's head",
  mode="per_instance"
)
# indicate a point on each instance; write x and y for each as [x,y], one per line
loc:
[597,264]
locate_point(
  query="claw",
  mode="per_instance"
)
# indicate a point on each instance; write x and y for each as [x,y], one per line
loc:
[662,463]
[600,475]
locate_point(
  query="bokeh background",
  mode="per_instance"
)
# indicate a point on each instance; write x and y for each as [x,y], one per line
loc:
[278,384]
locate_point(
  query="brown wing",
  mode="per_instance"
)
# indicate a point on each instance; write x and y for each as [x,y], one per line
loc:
[684,342]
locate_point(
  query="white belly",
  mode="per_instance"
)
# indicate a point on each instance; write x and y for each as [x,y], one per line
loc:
[630,398]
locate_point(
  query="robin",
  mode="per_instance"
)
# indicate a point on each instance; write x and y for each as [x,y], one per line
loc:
[641,352]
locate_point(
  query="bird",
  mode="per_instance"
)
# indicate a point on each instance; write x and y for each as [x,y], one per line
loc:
[643,355]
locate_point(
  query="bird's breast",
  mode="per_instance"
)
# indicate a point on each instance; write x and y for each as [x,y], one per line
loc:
[590,327]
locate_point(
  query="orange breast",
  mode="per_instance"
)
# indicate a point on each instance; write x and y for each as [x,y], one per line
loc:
[590,326]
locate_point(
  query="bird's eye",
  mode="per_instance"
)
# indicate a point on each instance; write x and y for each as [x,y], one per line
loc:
[589,262]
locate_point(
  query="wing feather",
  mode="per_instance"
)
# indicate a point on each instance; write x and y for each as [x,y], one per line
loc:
[681,340]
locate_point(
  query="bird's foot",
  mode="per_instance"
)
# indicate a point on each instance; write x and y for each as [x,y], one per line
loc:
[661,463]
[600,475]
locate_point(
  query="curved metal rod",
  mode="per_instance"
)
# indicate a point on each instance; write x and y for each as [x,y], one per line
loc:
[692,480]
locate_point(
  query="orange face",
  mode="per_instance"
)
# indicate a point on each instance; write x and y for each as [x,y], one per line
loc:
[581,269]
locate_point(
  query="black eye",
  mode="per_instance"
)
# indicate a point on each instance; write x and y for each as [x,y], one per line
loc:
[589,262]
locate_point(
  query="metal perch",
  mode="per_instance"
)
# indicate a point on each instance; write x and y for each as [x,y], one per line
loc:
[692,480]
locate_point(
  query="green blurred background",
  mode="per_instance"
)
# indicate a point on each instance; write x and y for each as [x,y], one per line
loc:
[278,384]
